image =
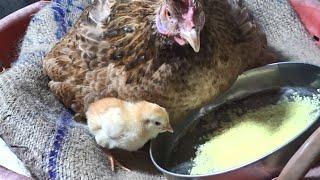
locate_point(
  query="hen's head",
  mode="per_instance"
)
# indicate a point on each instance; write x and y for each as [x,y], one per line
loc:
[183,20]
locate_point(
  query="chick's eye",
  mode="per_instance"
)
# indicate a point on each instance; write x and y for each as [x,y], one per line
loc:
[157,123]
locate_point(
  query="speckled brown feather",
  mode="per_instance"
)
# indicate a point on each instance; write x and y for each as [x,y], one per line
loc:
[114,50]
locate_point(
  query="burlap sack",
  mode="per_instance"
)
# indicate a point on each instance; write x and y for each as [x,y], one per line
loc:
[49,142]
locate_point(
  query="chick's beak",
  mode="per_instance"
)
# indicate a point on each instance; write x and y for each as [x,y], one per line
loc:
[193,38]
[168,128]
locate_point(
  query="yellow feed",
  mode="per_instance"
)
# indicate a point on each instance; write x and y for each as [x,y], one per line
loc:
[256,133]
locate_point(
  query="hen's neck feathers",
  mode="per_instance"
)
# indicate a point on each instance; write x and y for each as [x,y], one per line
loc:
[124,33]
[121,32]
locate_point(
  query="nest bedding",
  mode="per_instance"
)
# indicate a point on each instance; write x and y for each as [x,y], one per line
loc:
[55,146]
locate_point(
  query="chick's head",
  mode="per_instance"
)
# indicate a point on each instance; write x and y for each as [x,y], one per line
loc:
[183,20]
[154,119]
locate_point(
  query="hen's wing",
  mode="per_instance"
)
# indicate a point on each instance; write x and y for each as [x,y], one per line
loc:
[66,60]
[108,32]
[64,63]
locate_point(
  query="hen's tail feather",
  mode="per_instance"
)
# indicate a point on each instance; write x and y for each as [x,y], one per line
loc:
[252,38]
[101,11]
[248,29]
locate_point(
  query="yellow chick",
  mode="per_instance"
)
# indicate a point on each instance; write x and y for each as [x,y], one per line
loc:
[125,125]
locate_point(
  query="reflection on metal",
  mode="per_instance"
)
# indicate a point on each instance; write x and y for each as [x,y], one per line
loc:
[171,153]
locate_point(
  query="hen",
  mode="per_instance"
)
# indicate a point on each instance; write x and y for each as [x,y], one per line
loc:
[179,54]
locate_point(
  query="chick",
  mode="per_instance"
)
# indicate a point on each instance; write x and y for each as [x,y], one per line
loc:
[125,125]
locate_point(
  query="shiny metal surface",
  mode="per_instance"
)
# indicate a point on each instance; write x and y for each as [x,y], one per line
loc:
[171,153]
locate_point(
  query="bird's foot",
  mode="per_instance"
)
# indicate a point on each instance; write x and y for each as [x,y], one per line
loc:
[114,162]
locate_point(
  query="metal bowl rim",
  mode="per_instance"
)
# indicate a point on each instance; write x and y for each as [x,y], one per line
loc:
[254,161]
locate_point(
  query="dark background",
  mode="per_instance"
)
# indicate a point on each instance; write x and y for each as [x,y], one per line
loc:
[9,6]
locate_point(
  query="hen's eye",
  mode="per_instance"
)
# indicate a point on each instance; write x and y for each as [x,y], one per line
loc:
[157,123]
[168,13]
[147,121]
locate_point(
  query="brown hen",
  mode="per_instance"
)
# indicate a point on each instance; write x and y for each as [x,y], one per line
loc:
[179,54]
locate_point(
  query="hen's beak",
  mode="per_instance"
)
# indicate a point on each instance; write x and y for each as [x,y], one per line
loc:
[168,128]
[193,38]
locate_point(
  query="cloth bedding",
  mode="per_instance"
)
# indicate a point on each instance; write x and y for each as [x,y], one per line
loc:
[46,138]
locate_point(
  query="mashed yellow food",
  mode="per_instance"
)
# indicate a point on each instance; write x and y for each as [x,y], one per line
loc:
[256,133]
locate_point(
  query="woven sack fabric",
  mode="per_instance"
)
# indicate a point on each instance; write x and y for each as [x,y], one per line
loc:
[42,131]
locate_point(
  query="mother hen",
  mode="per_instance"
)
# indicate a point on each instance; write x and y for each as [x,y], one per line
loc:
[179,54]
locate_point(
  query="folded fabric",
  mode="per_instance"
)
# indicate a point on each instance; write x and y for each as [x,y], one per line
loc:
[309,13]
[12,29]
[285,33]
[49,142]
[10,161]
[8,174]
